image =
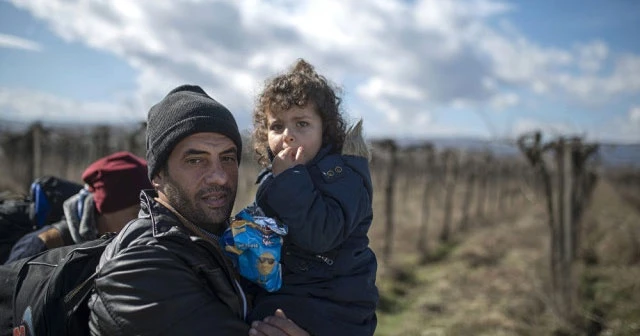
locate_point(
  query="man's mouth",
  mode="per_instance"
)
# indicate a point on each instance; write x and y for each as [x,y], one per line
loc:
[215,200]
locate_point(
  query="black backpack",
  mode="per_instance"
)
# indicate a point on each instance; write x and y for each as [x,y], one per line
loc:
[48,193]
[14,223]
[42,207]
[47,294]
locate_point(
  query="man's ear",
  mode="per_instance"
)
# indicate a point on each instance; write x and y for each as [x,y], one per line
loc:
[157,180]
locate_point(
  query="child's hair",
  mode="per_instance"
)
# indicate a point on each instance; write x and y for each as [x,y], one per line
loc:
[300,86]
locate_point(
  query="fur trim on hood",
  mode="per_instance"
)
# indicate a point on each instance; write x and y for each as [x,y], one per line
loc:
[354,143]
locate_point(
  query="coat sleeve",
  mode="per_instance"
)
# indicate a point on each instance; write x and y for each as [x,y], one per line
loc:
[27,246]
[148,290]
[320,215]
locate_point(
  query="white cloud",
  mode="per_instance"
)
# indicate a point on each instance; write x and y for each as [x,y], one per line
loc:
[504,101]
[634,115]
[592,55]
[15,42]
[402,59]
[25,105]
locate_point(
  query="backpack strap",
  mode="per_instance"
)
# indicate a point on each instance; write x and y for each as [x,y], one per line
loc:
[40,204]
[80,205]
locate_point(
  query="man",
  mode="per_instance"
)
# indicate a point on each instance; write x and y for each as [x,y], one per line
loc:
[108,201]
[165,273]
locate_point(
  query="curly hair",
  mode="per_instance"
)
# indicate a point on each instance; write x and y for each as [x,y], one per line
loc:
[300,86]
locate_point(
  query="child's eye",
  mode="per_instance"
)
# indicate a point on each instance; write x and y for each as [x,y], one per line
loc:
[275,127]
[303,124]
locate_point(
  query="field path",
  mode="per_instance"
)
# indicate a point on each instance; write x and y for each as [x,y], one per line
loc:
[481,288]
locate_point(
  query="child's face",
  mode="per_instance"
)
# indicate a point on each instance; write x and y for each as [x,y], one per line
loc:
[296,127]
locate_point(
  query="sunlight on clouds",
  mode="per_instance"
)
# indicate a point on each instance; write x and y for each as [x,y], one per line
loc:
[377,87]
[128,9]
[323,22]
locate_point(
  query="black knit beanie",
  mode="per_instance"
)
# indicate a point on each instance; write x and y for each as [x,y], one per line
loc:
[185,110]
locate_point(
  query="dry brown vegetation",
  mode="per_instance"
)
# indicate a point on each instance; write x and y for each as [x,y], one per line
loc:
[494,279]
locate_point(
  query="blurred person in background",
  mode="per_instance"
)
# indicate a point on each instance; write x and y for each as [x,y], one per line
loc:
[108,201]
[43,206]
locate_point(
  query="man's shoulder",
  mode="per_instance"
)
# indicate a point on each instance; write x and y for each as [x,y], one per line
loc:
[157,225]
[136,230]
[143,233]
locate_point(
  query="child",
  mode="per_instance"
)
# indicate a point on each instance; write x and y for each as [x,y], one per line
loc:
[324,197]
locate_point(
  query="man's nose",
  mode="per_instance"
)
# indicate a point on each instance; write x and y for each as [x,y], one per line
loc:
[217,174]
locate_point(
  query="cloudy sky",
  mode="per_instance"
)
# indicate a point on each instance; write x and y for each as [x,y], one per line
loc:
[411,68]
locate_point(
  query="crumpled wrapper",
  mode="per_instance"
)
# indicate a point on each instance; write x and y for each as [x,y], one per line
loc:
[254,242]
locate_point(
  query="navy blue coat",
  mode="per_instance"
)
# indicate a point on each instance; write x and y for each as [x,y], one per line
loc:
[329,270]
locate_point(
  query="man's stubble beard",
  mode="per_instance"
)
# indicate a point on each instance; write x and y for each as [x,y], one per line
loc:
[215,222]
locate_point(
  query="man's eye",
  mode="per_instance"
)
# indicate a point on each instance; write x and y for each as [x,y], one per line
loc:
[230,158]
[194,161]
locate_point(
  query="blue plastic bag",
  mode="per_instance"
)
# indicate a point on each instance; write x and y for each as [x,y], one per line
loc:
[254,242]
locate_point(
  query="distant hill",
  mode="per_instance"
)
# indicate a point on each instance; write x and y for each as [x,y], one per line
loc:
[610,155]
[620,155]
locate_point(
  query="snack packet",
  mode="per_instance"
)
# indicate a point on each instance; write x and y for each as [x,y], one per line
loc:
[253,241]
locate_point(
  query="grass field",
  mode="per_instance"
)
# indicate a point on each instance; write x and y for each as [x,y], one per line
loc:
[494,279]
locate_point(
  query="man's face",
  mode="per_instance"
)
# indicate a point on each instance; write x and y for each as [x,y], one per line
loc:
[201,179]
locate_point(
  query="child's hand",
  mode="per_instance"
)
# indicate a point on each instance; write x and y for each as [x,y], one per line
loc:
[286,159]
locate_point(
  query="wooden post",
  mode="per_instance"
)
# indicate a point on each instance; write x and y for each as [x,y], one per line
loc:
[566,172]
[423,244]
[502,181]
[391,147]
[483,172]
[468,195]
[563,158]
[583,183]
[450,161]
[565,208]
[531,146]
